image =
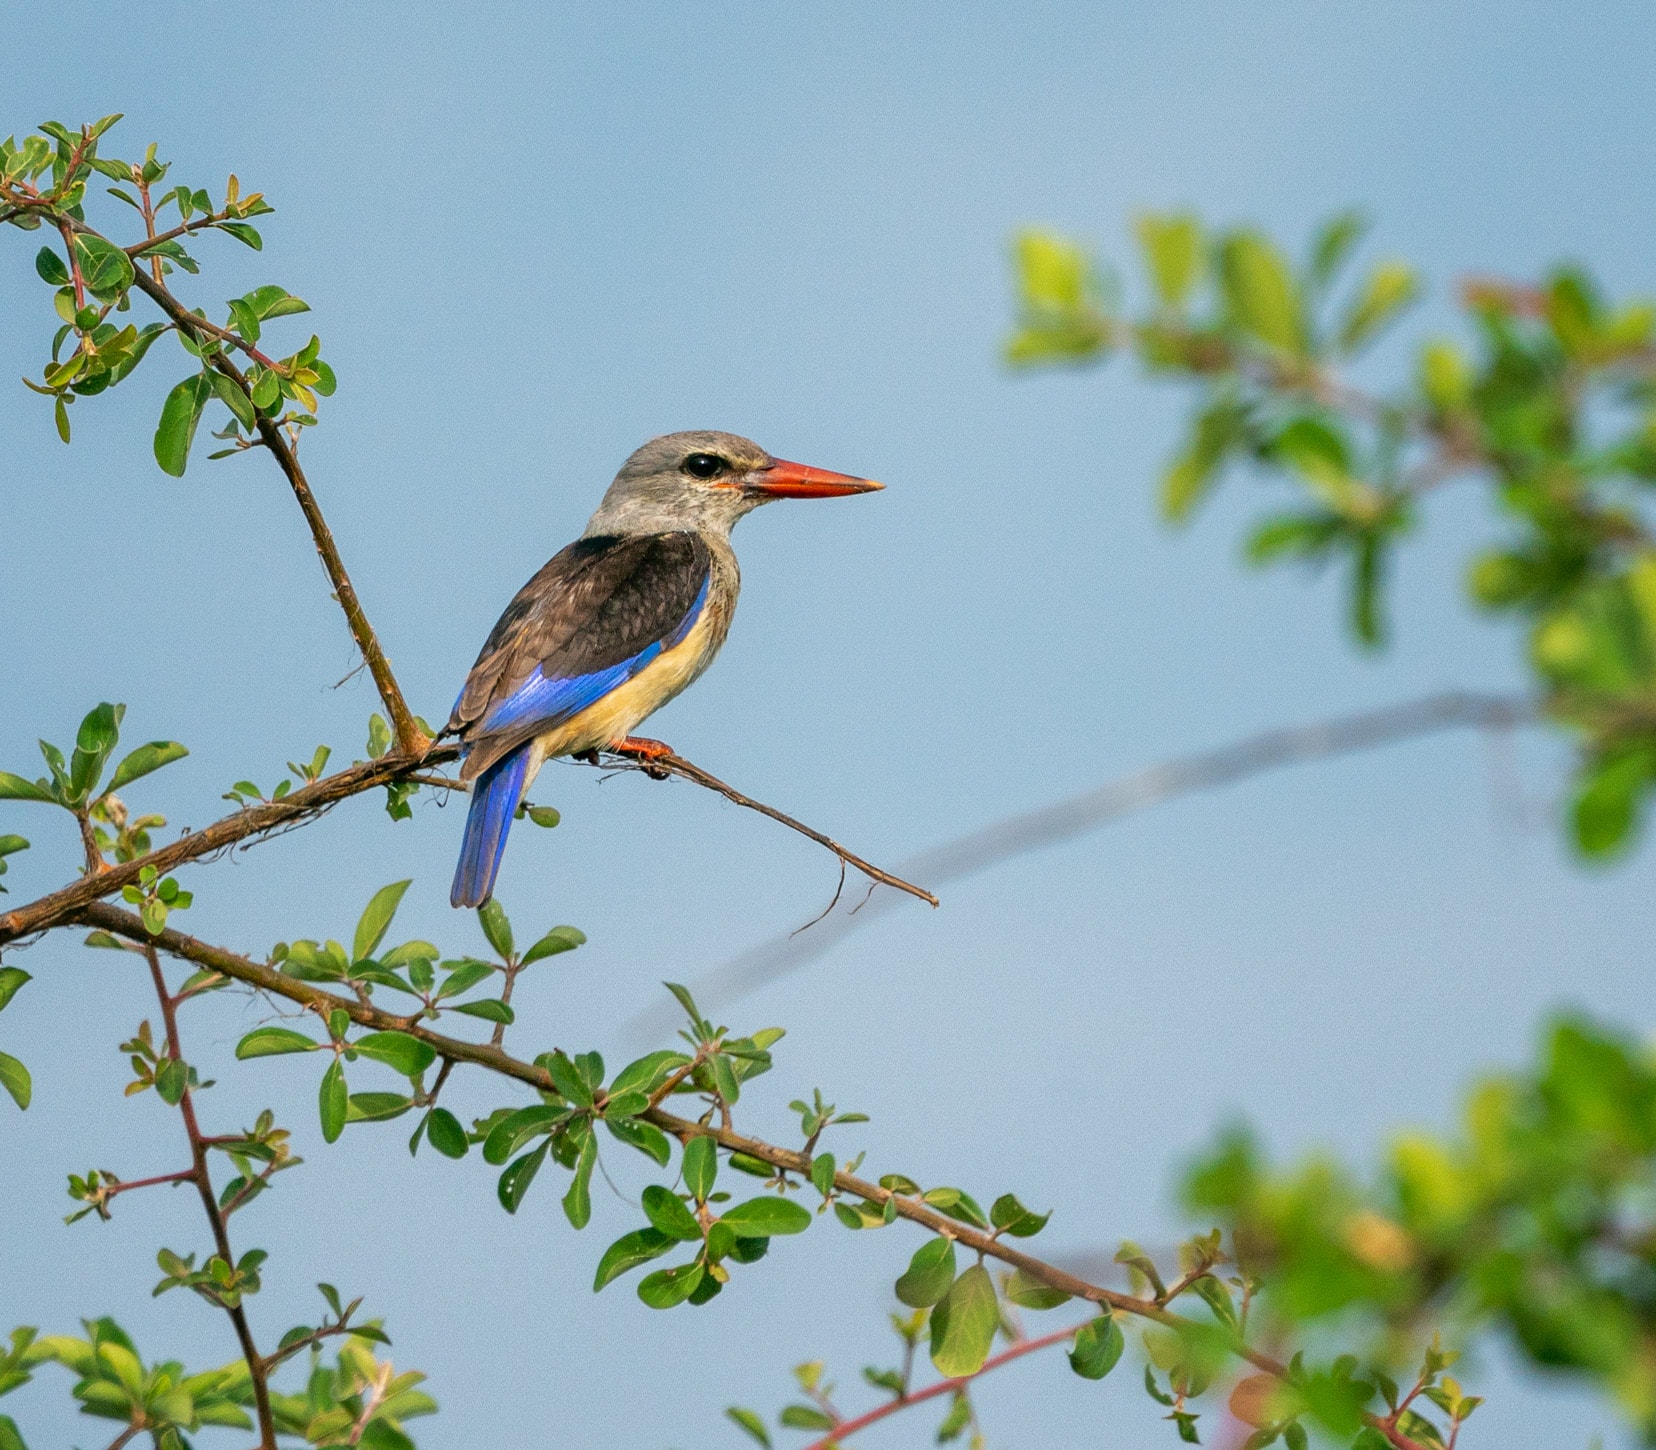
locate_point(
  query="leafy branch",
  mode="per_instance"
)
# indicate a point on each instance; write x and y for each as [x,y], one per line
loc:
[960,1341]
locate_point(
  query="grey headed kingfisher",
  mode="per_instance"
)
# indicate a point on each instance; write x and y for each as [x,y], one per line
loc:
[614,626]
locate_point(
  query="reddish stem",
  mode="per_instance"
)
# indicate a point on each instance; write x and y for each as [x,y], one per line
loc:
[943,1387]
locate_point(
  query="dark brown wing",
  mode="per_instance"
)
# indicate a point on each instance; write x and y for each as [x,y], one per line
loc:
[594,614]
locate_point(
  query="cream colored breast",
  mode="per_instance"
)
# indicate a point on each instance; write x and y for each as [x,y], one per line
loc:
[616,716]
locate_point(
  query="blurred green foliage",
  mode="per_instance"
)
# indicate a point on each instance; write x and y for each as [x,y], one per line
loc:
[1536,1218]
[1547,401]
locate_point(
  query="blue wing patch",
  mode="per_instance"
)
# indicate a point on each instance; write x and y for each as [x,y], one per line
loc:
[550,702]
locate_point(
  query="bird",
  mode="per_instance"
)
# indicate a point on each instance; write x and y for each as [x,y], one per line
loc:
[614,626]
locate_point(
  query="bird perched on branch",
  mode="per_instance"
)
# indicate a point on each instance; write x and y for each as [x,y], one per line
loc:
[614,626]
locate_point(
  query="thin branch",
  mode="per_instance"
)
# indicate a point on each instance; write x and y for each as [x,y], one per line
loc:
[914,1209]
[126,1185]
[312,800]
[277,1358]
[850,1427]
[259,820]
[203,1178]
[677,765]
[137,249]
[411,740]
[1016,835]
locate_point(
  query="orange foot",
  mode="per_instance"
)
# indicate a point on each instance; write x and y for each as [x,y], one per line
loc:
[644,750]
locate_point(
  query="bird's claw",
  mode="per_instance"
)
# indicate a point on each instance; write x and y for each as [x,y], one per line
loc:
[646,752]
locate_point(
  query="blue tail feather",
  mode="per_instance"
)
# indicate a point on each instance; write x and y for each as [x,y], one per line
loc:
[495,796]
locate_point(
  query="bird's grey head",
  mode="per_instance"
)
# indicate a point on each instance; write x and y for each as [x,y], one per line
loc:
[706,481]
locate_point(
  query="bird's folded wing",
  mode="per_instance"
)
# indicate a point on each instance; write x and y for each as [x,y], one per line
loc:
[589,621]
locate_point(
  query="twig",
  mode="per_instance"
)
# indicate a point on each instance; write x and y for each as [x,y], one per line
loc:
[411,740]
[914,1209]
[203,1179]
[1015,835]
[942,1387]
[677,765]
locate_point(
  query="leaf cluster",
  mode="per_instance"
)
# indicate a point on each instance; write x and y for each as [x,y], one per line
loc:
[1548,404]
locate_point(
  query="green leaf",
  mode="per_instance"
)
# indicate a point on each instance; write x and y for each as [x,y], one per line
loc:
[496,926]
[143,760]
[667,1287]
[577,1202]
[628,1252]
[376,919]
[1260,292]
[237,401]
[246,235]
[701,1166]
[1219,431]
[1334,241]
[15,788]
[1173,247]
[543,816]
[744,1418]
[686,1001]
[397,1050]
[271,1041]
[462,979]
[51,267]
[625,1105]
[509,1134]
[1098,1345]
[559,939]
[648,1073]
[804,1417]
[767,1216]
[957,1204]
[172,1081]
[14,1077]
[333,1102]
[106,269]
[1390,288]
[490,1009]
[96,739]
[179,416]
[445,1134]
[1010,1216]
[1030,1293]
[929,1275]
[646,1138]
[1606,806]
[822,1173]
[376,1107]
[963,1324]
[519,1174]
[725,1082]
[667,1212]
[11,980]
[12,1439]
[568,1080]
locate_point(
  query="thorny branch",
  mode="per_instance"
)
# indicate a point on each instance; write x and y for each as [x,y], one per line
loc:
[911,1207]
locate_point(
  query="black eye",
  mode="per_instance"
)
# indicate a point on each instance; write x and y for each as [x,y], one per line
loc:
[704,465]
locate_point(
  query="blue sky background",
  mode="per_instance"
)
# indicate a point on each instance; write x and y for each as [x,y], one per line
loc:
[534,236]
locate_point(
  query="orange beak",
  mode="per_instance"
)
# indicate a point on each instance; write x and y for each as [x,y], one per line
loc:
[797,480]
